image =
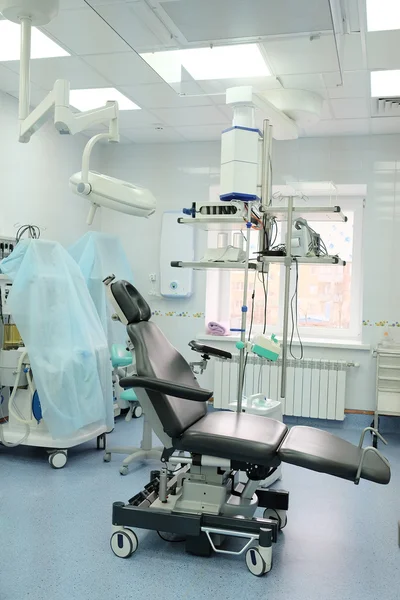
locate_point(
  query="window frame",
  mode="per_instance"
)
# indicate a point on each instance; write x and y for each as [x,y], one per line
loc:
[217,304]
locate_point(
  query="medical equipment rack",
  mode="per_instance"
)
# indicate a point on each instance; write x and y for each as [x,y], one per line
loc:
[387,385]
[289,213]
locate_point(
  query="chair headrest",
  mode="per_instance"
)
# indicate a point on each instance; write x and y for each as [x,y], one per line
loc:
[131,303]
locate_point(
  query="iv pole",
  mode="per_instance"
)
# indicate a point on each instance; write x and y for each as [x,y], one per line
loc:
[265,187]
[288,263]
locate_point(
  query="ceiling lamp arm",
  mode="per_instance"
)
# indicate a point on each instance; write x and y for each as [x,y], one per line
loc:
[84,186]
[65,120]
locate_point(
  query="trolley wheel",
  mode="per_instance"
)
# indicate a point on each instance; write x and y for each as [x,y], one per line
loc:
[124,470]
[137,412]
[101,442]
[107,457]
[124,543]
[278,515]
[255,562]
[58,459]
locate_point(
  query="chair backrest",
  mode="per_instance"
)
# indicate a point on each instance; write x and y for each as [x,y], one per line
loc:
[156,357]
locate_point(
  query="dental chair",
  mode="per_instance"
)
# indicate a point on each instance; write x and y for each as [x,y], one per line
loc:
[197,494]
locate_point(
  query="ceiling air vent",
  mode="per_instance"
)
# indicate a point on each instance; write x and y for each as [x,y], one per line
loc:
[387,107]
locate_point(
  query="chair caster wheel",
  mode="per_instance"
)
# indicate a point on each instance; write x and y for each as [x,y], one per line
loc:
[256,563]
[137,412]
[107,457]
[58,459]
[278,515]
[124,470]
[124,543]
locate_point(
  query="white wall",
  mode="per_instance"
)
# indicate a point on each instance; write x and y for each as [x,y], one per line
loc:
[34,179]
[177,174]
[181,173]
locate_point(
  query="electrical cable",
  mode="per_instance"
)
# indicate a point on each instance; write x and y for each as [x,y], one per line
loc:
[265,287]
[274,228]
[253,295]
[259,377]
[295,298]
[33,231]
[14,410]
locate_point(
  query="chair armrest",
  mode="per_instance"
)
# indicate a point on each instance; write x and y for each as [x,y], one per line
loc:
[209,350]
[167,387]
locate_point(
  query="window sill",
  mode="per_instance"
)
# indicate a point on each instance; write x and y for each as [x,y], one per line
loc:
[311,343]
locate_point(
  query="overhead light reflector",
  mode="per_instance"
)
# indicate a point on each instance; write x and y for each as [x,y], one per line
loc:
[385,84]
[42,46]
[383,15]
[219,62]
[96,97]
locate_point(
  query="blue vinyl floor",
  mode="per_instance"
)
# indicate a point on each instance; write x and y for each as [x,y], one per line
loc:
[340,541]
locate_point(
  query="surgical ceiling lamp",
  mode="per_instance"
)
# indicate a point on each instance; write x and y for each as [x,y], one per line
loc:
[99,189]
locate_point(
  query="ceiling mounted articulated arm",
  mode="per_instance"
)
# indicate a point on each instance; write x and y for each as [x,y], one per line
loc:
[65,121]
[99,189]
[84,187]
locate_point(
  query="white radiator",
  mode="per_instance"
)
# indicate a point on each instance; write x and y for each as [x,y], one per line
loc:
[315,388]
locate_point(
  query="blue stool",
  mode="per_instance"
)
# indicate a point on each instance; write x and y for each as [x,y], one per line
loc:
[122,358]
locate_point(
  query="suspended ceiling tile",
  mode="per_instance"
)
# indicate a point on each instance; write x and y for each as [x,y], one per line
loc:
[45,71]
[71,4]
[123,68]
[161,95]
[290,56]
[230,19]
[138,118]
[37,94]
[338,127]
[198,115]
[355,85]
[94,130]
[326,112]
[303,82]
[123,18]
[352,53]
[259,84]
[9,80]
[153,136]
[385,125]
[350,108]
[383,49]
[205,133]
[84,32]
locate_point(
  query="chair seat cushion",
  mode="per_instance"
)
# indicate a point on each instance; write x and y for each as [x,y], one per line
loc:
[323,452]
[241,437]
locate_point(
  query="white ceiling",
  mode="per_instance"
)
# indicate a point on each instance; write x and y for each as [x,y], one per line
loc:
[297,41]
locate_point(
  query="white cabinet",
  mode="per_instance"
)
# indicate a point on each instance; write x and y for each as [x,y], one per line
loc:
[387,382]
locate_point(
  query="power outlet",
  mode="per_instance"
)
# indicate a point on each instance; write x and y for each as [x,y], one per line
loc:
[153,277]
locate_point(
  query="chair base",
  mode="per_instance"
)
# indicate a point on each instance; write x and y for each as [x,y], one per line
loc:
[204,532]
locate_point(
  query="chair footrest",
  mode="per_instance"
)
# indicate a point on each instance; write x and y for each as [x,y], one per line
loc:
[321,451]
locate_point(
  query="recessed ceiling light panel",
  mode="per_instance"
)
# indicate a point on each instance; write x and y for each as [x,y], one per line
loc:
[385,84]
[92,98]
[383,15]
[219,62]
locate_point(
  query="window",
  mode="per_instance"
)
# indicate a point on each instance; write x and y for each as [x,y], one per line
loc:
[329,296]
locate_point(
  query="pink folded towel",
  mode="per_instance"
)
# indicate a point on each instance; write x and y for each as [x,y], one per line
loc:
[214,328]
